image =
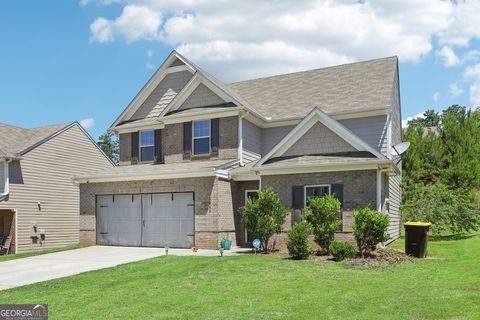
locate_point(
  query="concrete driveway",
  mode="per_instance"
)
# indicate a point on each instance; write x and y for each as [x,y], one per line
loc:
[19,272]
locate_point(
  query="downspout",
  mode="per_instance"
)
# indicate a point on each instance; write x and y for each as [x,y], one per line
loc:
[6,177]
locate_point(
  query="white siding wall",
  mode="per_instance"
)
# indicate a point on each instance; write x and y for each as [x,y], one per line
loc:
[252,141]
[373,130]
[45,175]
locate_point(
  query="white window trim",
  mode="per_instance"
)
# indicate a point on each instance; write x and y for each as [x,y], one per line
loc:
[313,186]
[202,137]
[245,202]
[140,146]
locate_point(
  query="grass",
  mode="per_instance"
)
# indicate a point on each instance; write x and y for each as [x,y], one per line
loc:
[38,252]
[445,286]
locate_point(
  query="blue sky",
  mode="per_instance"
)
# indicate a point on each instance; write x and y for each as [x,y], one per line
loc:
[62,61]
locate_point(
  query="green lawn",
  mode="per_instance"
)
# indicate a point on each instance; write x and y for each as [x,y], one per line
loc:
[39,252]
[446,286]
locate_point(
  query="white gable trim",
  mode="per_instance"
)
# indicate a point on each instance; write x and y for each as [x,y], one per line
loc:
[157,77]
[190,87]
[316,115]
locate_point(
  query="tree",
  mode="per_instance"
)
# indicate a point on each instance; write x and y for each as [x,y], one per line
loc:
[430,118]
[447,209]
[108,142]
[264,216]
[322,215]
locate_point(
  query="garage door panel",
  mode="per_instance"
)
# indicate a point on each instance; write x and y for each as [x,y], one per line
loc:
[119,220]
[164,215]
[156,220]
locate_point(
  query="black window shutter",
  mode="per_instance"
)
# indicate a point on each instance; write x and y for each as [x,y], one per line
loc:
[187,140]
[337,192]
[215,138]
[158,146]
[297,197]
[135,146]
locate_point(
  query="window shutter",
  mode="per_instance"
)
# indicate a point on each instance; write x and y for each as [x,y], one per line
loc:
[297,197]
[187,140]
[215,136]
[135,147]
[158,146]
[337,192]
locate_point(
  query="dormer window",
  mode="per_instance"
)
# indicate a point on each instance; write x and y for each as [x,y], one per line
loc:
[201,137]
[147,143]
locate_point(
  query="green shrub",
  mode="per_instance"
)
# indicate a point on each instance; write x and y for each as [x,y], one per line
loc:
[341,250]
[369,228]
[298,243]
[447,209]
[264,216]
[322,215]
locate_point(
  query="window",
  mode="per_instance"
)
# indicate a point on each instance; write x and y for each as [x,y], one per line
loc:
[201,137]
[316,191]
[146,145]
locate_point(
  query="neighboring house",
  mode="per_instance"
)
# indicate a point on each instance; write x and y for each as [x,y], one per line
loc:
[193,148]
[39,203]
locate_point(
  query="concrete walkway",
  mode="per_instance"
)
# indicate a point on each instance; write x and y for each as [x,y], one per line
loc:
[20,272]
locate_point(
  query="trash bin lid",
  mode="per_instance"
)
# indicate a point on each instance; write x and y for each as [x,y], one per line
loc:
[417,224]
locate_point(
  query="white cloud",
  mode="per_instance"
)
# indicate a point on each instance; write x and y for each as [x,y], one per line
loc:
[451,59]
[251,38]
[405,121]
[436,96]
[472,74]
[100,2]
[448,56]
[87,123]
[455,90]
[134,23]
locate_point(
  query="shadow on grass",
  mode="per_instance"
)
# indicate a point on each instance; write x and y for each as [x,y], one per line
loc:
[452,237]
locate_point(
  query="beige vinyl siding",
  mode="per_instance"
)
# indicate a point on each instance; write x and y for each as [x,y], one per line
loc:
[202,96]
[2,176]
[252,141]
[173,83]
[45,175]
[373,130]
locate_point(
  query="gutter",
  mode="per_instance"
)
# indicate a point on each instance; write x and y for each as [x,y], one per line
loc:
[6,190]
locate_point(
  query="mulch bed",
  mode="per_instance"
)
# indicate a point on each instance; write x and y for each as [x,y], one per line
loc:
[383,258]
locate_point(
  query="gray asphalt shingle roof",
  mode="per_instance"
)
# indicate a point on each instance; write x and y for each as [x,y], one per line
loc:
[344,88]
[15,140]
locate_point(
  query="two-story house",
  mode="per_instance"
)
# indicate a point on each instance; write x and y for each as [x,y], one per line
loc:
[193,148]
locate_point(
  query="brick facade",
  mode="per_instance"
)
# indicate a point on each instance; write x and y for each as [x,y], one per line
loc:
[359,190]
[214,211]
[172,142]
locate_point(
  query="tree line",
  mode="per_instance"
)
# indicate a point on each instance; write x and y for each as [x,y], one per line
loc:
[441,169]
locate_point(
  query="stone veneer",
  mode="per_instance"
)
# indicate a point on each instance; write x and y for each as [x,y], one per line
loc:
[214,212]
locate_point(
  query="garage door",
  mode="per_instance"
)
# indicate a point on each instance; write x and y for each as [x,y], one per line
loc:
[153,220]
